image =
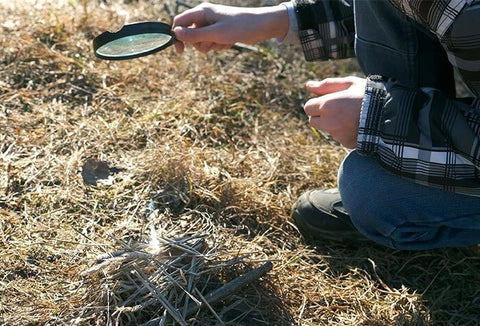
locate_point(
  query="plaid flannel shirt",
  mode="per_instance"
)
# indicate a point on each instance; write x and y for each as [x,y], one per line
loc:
[439,147]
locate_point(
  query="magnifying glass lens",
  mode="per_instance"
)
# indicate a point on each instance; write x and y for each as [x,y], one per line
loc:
[133,41]
[134,44]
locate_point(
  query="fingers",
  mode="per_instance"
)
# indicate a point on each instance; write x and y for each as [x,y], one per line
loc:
[194,16]
[197,25]
[314,106]
[323,111]
[191,17]
[202,47]
[209,34]
[206,27]
[332,94]
[193,35]
[329,85]
[319,124]
[200,38]
[336,131]
[179,47]
[337,108]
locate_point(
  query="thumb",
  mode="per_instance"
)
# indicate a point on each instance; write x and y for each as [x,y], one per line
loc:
[195,35]
[195,16]
[328,85]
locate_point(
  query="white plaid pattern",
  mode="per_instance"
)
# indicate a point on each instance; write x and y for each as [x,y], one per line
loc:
[439,147]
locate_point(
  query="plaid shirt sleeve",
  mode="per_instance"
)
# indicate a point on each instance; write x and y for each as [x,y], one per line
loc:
[325,28]
[422,134]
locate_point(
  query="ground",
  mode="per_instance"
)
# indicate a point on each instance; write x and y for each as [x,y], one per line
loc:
[131,190]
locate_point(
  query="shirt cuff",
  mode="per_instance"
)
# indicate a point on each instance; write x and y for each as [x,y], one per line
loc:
[368,137]
[292,35]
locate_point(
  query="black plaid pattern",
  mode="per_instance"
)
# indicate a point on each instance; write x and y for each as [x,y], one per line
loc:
[312,44]
[436,15]
[434,140]
[326,29]
[439,146]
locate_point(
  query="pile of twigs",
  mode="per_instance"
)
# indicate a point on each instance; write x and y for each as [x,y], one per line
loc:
[165,281]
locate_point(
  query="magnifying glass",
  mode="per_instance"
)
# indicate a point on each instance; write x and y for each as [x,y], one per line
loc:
[133,41]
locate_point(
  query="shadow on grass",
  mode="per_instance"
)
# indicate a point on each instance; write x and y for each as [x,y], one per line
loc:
[446,281]
[256,304]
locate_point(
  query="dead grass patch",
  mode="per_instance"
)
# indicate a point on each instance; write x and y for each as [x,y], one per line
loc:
[209,152]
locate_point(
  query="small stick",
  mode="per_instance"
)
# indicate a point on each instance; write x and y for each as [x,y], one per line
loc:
[232,286]
[179,4]
[205,303]
[169,11]
[223,291]
[156,294]
[108,255]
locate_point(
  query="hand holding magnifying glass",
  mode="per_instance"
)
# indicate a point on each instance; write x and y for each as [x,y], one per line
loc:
[216,27]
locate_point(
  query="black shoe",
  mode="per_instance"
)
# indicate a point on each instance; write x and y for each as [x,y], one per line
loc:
[319,215]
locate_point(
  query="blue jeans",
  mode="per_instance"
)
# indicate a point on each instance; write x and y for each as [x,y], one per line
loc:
[384,207]
[400,214]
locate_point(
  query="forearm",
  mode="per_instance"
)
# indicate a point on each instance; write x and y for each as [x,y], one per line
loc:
[268,22]
[210,26]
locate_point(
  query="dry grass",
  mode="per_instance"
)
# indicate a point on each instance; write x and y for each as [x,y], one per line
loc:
[205,155]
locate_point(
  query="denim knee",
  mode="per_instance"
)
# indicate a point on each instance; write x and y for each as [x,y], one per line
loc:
[401,214]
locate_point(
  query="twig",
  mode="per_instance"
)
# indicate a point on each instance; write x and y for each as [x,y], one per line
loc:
[232,286]
[109,255]
[169,11]
[205,303]
[382,283]
[189,286]
[223,291]
[179,4]
[165,303]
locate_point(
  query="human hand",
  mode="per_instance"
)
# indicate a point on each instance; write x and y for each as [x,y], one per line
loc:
[336,110]
[217,27]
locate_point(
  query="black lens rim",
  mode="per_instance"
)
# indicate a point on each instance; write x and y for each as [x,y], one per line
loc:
[129,30]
